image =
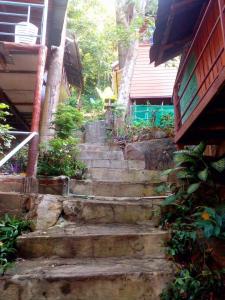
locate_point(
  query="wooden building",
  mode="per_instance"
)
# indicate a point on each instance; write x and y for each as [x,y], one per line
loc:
[151,88]
[38,64]
[195,29]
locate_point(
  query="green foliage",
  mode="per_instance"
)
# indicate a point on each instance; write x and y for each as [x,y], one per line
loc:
[204,286]
[167,121]
[5,138]
[60,157]
[94,28]
[67,120]
[10,229]
[194,216]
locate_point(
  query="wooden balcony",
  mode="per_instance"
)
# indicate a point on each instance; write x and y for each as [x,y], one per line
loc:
[199,89]
[14,12]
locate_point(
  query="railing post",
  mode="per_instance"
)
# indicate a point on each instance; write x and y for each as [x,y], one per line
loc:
[33,149]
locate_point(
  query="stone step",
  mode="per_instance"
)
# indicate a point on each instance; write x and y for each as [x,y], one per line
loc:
[114,164]
[14,204]
[99,279]
[113,155]
[93,241]
[131,176]
[107,211]
[98,147]
[112,189]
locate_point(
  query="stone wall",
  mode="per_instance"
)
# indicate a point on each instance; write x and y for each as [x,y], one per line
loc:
[157,153]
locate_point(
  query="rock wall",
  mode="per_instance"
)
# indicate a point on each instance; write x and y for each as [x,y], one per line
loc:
[157,153]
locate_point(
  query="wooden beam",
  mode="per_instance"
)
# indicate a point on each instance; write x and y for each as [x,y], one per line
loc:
[15,112]
[177,43]
[17,72]
[184,5]
[23,104]
[33,149]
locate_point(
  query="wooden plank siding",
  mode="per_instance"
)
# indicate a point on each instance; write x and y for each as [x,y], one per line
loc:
[203,71]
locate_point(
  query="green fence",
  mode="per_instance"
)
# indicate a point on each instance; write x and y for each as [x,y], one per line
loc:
[155,115]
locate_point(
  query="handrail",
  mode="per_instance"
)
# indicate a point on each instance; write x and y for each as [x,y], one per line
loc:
[13,3]
[18,147]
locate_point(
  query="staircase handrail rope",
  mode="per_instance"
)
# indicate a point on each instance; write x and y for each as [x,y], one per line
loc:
[31,135]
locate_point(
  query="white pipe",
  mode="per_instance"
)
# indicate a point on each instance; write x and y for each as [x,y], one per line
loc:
[44,23]
[18,147]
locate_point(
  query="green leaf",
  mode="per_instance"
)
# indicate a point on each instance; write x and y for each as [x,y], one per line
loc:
[219,165]
[169,200]
[199,149]
[193,188]
[168,172]
[217,231]
[203,175]
[208,231]
[182,158]
[184,174]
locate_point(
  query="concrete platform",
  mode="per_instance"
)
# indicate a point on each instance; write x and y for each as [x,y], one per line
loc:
[112,189]
[111,211]
[93,241]
[114,164]
[99,279]
[130,176]
[113,155]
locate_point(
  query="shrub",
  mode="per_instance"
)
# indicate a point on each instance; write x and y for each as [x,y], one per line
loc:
[10,229]
[59,157]
[5,137]
[67,119]
[195,217]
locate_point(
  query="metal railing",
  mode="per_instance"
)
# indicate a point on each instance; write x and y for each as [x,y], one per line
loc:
[30,136]
[27,17]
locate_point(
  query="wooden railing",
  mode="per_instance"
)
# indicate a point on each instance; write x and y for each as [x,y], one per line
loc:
[202,66]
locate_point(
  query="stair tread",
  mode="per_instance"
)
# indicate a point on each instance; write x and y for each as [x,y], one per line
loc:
[116,201]
[78,231]
[87,268]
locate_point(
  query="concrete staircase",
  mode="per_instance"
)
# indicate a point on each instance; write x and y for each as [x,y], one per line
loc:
[106,244]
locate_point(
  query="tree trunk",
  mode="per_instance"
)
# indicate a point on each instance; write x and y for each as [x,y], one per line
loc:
[52,89]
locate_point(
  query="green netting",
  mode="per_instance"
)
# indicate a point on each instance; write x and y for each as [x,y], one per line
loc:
[151,114]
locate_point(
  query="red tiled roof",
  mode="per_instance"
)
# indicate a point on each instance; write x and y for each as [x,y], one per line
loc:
[149,81]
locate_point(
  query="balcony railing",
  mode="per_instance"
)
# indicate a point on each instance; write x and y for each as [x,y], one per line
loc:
[12,13]
[202,66]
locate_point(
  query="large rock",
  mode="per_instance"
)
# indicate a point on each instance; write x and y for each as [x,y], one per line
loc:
[48,212]
[157,154]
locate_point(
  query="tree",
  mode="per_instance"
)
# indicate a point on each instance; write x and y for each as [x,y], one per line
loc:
[94,29]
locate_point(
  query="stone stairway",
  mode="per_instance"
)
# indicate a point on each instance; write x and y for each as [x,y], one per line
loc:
[106,244]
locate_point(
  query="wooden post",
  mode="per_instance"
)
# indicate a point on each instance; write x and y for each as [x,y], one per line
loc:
[33,149]
[52,89]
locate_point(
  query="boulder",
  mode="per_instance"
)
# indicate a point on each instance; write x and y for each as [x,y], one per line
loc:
[48,212]
[157,153]
[159,134]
